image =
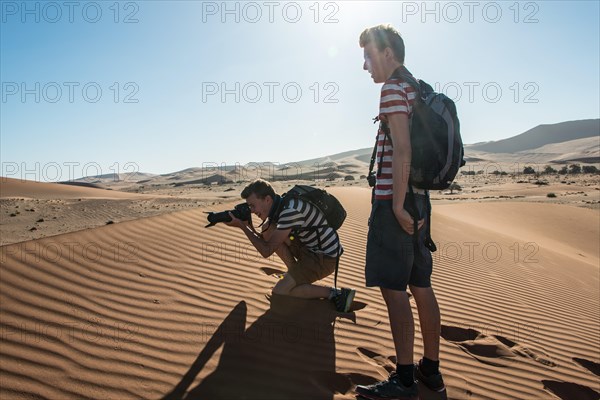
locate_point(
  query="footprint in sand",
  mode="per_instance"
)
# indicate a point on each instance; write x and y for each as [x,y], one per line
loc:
[341,383]
[494,350]
[523,351]
[591,366]
[569,390]
[385,365]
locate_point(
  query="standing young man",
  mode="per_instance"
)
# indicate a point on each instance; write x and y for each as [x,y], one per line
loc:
[394,260]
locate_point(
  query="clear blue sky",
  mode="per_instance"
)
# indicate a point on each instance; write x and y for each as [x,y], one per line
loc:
[162,67]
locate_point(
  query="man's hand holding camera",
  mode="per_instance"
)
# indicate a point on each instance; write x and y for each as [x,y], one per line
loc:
[236,222]
[240,212]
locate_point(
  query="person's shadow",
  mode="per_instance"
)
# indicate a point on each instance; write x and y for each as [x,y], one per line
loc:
[287,353]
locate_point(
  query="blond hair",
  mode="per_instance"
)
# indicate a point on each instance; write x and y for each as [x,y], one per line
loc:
[384,36]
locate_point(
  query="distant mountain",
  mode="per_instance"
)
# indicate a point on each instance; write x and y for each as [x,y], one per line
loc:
[360,154]
[565,142]
[586,150]
[542,135]
[100,180]
[82,184]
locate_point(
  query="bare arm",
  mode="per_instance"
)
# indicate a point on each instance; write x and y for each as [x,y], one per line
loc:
[265,247]
[401,157]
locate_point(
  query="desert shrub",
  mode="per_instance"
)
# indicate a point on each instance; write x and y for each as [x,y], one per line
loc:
[454,186]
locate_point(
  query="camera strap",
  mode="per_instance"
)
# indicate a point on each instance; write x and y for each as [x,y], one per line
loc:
[274,211]
[374,154]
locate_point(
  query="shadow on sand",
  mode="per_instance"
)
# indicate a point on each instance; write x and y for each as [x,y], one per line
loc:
[287,353]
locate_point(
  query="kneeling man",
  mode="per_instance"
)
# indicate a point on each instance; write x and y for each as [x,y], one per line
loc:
[294,231]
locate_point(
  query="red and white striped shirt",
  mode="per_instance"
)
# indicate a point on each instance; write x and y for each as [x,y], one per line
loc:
[397,97]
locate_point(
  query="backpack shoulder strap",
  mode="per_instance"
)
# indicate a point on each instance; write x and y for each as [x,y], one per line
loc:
[280,203]
[403,73]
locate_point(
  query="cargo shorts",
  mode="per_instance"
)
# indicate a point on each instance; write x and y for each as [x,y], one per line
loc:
[309,267]
[394,260]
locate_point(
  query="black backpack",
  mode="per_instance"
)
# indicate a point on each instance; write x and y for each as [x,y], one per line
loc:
[436,144]
[437,148]
[331,208]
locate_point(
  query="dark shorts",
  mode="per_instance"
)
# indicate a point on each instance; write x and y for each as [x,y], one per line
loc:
[309,267]
[394,260]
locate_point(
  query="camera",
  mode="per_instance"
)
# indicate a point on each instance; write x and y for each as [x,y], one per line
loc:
[371,179]
[240,211]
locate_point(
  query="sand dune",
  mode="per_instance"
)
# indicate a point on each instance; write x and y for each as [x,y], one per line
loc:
[41,190]
[568,230]
[160,307]
[542,135]
[32,210]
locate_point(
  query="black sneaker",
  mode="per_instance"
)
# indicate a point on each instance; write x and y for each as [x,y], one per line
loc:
[433,382]
[343,300]
[390,389]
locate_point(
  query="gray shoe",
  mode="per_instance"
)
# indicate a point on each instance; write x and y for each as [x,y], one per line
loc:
[433,382]
[343,300]
[389,389]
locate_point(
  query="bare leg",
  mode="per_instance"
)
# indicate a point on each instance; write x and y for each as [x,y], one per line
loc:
[430,320]
[401,323]
[287,287]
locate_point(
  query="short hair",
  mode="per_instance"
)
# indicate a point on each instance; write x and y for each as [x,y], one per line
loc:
[384,36]
[260,188]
